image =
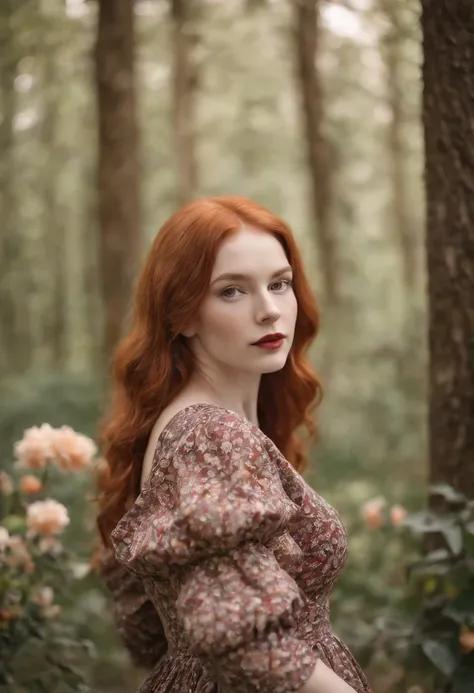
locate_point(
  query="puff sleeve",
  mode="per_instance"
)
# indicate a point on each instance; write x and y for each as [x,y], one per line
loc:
[137,621]
[208,516]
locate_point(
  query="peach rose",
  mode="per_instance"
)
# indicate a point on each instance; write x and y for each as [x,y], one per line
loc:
[30,484]
[19,556]
[372,512]
[35,450]
[46,517]
[73,451]
[398,515]
[6,484]
[466,640]
[43,597]
[49,544]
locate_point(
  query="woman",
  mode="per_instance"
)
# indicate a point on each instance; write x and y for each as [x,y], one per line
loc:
[220,557]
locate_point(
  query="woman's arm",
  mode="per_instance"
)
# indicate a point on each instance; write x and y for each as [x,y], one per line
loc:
[236,606]
[138,623]
[324,680]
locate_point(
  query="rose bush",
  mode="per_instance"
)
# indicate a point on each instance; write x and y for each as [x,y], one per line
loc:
[427,627]
[440,595]
[39,647]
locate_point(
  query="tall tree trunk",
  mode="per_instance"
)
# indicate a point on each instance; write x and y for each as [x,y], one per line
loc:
[118,165]
[185,89]
[403,222]
[448,115]
[306,45]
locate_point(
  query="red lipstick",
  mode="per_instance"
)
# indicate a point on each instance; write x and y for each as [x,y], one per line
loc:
[270,341]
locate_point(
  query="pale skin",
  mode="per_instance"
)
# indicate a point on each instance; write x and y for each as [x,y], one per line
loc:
[235,313]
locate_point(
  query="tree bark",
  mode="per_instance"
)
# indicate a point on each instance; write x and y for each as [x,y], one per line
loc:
[185,90]
[118,165]
[320,165]
[448,117]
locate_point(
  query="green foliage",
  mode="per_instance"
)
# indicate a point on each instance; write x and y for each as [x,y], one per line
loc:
[66,398]
[442,585]
[41,649]
[405,602]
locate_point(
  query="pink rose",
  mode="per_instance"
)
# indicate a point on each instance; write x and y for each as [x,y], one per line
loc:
[47,517]
[372,512]
[397,515]
[72,450]
[18,555]
[30,484]
[44,596]
[35,450]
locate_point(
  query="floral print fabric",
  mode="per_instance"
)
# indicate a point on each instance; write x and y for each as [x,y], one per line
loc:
[137,621]
[230,558]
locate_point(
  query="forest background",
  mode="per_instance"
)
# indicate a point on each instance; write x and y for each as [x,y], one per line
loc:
[113,114]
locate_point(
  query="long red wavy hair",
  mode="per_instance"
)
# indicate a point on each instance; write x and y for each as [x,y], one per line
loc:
[153,363]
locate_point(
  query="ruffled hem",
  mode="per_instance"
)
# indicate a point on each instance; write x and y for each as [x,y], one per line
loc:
[338,657]
[180,672]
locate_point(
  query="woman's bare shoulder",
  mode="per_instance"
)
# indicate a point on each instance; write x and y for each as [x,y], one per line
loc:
[178,405]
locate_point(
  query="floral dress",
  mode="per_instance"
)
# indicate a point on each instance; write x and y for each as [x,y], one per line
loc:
[224,565]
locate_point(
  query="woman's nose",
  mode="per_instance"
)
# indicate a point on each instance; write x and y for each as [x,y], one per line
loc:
[268,311]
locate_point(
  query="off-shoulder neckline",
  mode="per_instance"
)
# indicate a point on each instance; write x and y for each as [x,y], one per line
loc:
[210,405]
[180,412]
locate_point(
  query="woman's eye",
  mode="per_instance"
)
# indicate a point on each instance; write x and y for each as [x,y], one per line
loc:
[232,291]
[284,284]
[225,293]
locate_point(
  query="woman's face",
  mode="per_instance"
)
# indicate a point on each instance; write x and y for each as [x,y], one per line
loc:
[250,296]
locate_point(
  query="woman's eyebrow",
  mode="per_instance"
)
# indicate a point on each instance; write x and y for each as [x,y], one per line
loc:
[233,276]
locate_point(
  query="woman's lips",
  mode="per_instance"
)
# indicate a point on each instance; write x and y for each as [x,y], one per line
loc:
[273,344]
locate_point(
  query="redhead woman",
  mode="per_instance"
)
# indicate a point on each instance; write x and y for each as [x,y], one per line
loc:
[219,556]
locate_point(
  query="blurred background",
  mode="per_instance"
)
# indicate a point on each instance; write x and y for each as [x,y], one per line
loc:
[112,119]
